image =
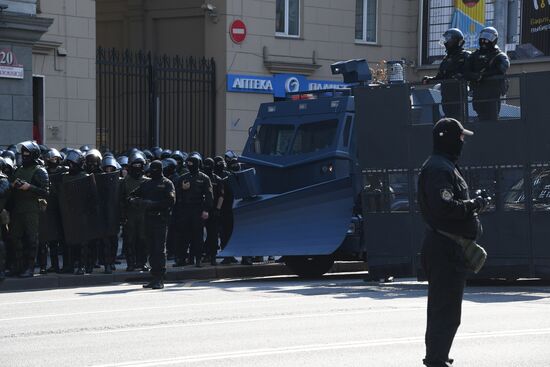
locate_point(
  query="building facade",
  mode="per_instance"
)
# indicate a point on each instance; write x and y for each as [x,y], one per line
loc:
[261,48]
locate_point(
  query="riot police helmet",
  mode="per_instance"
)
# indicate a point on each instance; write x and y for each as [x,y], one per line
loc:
[157,152]
[93,158]
[2,165]
[229,155]
[169,162]
[8,154]
[137,157]
[109,164]
[30,152]
[13,148]
[9,166]
[148,155]
[234,165]
[488,37]
[52,157]
[122,160]
[452,39]
[166,153]
[43,149]
[178,156]
[194,162]
[220,164]
[75,157]
[108,154]
[84,149]
[208,165]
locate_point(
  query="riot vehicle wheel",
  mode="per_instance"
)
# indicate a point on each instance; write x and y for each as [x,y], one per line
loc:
[309,266]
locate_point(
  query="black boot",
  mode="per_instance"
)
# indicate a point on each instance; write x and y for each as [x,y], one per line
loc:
[29,273]
[198,262]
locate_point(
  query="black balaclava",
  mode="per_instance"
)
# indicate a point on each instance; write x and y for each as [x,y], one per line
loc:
[136,170]
[74,168]
[447,137]
[234,165]
[219,166]
[155,169]
[52,164]
[208,166]
[26,158]
[193,165]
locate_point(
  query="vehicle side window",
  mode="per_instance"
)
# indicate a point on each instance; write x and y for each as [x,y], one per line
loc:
[273,139]
[315,136]
[347,130]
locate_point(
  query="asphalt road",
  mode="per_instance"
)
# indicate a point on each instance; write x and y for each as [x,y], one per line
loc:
[284,321]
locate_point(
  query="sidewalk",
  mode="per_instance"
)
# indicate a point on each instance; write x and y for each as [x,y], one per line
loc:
[52,281]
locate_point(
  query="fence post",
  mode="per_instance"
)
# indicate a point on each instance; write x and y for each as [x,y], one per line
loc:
[153,109]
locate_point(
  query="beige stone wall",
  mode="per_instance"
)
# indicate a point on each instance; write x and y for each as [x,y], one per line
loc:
[327,31]
[70,110]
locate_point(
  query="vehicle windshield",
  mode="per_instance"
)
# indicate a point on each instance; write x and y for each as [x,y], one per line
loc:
[273,139]
[314,136]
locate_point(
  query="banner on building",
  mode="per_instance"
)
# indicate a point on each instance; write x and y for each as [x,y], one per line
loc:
[535,27]
[469,17]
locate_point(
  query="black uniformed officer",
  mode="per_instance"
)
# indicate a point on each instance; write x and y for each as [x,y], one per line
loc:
[213,221]
[92,165]
[157,197]
[4,192]
[52,159]
[31,187]
[133,219]
[451,72]
[75,161]
[194,201]
[485,70]
[445,206]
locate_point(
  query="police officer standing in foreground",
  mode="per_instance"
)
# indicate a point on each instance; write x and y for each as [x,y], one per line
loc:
[447,209]
[157,197]
[31,186]
[485,71]
[4,191]
[451,72]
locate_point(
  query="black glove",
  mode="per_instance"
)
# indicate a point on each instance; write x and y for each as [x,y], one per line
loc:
[480,203]
[216,213]
[426,79]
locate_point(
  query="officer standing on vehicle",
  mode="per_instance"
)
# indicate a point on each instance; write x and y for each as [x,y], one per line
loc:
[194,201]
[4,192]
[486,69]
[133,219]
[451,73]
[446,209]
[157,197]
[31,187]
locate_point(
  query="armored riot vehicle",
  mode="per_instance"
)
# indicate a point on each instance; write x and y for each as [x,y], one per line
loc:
[334,176]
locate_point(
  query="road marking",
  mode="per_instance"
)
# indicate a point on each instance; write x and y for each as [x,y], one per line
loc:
[317,347]
[254,319]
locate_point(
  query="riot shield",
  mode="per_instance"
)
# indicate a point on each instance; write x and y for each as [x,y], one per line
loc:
[78,201]
[108,190]
[50,228]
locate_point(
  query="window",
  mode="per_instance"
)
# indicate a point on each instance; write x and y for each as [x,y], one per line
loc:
[287,21]
[314,137]
[365,20]
[273,139]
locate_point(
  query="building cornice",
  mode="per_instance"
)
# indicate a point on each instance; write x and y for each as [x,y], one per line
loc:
[27,29]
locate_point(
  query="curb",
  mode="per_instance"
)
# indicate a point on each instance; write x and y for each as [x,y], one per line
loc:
[54,281]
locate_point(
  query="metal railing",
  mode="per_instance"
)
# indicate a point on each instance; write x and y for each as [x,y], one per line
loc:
[145,101]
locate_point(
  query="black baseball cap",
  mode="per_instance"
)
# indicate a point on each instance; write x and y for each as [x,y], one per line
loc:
[450,126]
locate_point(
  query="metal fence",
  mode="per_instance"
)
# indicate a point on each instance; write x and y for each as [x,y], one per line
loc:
[146,101]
